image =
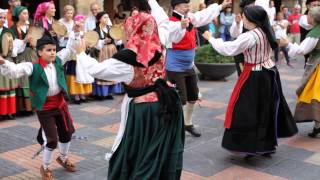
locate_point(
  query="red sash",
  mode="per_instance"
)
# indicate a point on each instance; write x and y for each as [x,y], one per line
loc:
[58,102]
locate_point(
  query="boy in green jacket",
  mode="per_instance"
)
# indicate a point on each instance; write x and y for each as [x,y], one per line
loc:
[48,86]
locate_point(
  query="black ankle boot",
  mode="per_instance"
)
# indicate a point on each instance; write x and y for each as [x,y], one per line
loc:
[314,133]
[192,130]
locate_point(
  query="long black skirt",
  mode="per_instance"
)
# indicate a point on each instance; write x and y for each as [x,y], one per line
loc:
[260,116]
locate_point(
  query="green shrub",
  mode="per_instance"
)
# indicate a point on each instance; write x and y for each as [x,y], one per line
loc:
[206,54]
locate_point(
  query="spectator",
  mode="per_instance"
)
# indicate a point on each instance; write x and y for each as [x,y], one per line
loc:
[119,17]
[226,20]
[271,12]
[294,24]
[286,12]
[280,28]
[90,23]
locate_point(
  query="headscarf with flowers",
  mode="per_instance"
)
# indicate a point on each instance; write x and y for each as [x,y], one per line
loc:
[143,39]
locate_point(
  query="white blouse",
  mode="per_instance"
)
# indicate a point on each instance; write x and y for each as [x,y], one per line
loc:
[303,48]
[236,29]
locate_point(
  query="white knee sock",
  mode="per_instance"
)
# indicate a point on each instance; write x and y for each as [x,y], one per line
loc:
[64,149]
[47,157]
[187,113]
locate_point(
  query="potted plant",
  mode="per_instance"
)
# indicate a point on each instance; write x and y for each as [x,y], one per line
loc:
[212,65]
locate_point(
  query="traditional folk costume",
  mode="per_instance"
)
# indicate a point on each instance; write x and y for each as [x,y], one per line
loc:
[77,89]
[257,112]
[26,55]
[69,25]
[308,105]
[180,59]
[103,88]
[150,141]
[7,85]
[237,29]
[48,86]
[305,27]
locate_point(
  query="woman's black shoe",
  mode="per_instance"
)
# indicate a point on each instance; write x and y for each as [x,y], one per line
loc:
[77,102]
[248,156]
[83,100]
[109,97]
[314,133]
[267,155]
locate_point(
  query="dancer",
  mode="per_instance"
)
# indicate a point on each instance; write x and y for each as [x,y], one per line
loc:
[150,140]
[181,53]
[237,28]
[48,86]
[308,105]
[257,112]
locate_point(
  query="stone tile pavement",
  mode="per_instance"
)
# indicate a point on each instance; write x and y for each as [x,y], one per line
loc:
[204,159]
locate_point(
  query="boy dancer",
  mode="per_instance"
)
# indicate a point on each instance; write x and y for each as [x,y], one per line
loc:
[48,86]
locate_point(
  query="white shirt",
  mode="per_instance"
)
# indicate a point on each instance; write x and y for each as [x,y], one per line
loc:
[250,40]
[303,22]
[272,14]
[12,70]
[198,19]
[90,23]
[305,47]
[1,29]
[279,31]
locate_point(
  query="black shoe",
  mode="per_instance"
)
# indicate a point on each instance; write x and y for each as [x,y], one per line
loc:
[248,156]
[11,117]
[192,130]
[314,133]
[267,155]
[109,97]
[83,100]
[78,102]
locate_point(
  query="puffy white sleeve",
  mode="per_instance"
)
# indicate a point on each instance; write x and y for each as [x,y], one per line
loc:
[18,47]
[232,48]
[12,70]
[110,69]
[303,22]
[305,47]
[169,31]
[236,29]
[205,16]
[65,55]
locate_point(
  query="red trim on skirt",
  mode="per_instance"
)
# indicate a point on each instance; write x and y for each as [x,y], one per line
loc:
[236,92]
[8,105]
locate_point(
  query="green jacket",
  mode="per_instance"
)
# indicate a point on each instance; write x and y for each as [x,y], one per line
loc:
[39,85]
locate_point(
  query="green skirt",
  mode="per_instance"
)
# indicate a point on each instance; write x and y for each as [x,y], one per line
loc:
[151,148]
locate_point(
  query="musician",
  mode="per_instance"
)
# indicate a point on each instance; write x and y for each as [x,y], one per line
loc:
[48,86]
[27,54]
[78,90]
[107,48]
[7,86]
[180,55]
[67,21]
[12,5]
[44,16]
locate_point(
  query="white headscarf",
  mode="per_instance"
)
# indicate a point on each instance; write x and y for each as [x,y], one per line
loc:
[4,11]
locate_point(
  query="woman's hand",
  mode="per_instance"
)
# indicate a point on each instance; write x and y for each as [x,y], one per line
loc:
[2,61]
[207,35]
[226,3]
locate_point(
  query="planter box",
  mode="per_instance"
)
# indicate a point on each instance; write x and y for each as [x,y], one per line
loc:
[215,71]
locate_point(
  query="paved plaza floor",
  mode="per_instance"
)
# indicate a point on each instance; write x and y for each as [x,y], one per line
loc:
[97,122]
